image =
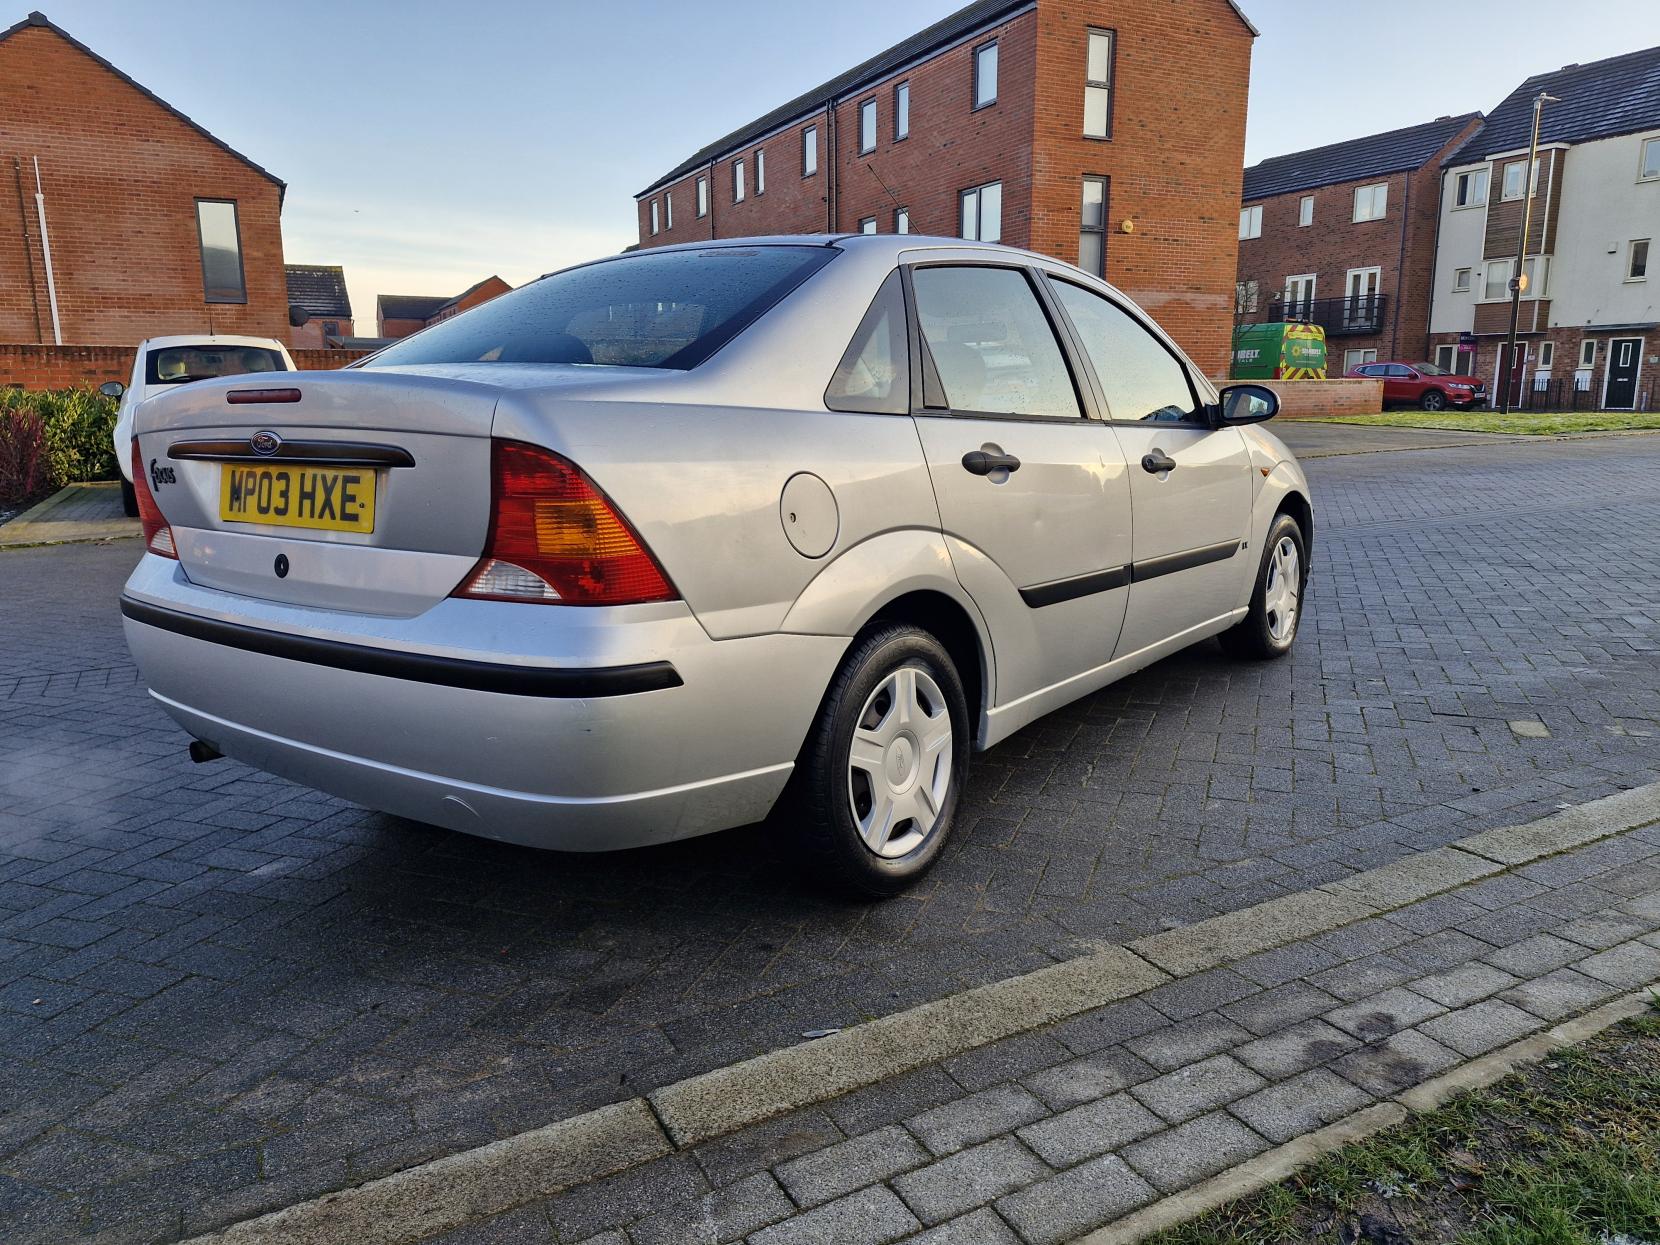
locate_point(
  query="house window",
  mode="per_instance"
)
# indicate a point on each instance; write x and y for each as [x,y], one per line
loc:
[1588,353]
[1636,260]
[1470,189]
[702,196]
[1446,358]
[668,209]
[1245,297]
[654,227]
[1461,280]
[1250,221]
[738,181]
[1547,354]
[760,172]
[982,212]
[1649,169]
[985,75]
[867,127]
[331,328]
[901,111]
[1537,271]
[1355,358]
[1497,284]
[1305,212]
[868,225]
[1092,230]
[1098,86]
[902,220]
[1371,202]
[809,151]
[1513,180]
[221,243]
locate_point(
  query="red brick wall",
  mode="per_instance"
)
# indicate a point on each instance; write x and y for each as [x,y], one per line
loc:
[121,177]
[1402,244]
[309,336]
[1326,399]
[71,367]
[1174,160]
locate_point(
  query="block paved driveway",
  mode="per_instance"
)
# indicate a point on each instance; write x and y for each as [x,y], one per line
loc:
[221,993]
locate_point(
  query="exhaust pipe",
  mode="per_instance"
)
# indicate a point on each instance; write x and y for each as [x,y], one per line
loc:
[202,753]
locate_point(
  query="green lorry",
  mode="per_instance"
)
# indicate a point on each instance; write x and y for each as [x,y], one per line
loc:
[1284,351]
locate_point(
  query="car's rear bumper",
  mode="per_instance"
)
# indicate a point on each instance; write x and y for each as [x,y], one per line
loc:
[558,727]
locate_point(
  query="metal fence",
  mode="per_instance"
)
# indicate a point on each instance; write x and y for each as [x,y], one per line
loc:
[1576,393]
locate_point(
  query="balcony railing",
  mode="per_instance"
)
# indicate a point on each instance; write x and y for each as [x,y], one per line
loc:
[1358,314]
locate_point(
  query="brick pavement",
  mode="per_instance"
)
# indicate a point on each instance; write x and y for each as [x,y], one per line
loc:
[251,993]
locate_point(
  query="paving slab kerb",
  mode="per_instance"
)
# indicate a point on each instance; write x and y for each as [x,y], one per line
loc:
[1048,1162]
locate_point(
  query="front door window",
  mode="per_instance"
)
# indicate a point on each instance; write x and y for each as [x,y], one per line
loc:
[1360,299]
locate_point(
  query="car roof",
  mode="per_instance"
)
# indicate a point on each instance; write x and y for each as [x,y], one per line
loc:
[209,339]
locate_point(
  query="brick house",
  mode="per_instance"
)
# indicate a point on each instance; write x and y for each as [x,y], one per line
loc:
[1589,330]
[320,289]
[153,225]
[1344,236]
[1055,125]
[399,315]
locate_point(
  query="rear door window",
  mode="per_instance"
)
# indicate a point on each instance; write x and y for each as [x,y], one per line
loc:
[660,309]
[178,365]
[991,347]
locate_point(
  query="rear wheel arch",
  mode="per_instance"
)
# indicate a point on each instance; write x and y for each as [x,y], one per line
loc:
[948,622]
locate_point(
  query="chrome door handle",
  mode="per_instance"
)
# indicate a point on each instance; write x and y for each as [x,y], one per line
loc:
[982,463]
[1156,462]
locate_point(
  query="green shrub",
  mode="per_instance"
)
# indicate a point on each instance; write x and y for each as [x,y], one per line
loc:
[75,430]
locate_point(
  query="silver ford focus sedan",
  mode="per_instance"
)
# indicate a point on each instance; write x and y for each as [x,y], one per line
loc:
[650,545]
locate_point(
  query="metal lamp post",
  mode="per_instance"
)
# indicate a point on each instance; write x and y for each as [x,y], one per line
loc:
[1518,279]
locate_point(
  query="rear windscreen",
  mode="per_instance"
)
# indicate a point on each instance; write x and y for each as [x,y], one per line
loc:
[175,365]
[670,309]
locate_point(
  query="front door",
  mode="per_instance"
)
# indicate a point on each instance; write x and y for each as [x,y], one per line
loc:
[1625,356]
[1518,365]
[1034,497]
[1360,299]
[1190,483]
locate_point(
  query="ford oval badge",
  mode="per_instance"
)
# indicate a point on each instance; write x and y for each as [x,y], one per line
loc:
[265,443]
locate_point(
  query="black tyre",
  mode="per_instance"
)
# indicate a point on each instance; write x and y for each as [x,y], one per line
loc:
[884,765]
[1269,628]
[1433,400]
[129,500]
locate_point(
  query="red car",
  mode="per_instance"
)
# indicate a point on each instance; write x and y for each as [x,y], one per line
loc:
[1424,384]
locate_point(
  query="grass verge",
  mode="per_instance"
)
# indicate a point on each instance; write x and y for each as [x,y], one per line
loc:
[1565,1152]
[1517,423]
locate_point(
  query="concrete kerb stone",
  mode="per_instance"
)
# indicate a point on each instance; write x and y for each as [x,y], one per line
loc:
[722,1101]
[444,1194]
[447,1192]
[1568,829]
[1275,1165]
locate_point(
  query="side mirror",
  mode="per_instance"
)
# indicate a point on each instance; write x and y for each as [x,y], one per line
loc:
[1249,404]
[112,389]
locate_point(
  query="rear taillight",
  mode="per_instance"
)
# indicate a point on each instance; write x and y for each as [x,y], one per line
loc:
[556,539]
[158,537]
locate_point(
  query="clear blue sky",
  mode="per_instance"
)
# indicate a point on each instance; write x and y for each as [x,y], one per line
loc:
[428,144]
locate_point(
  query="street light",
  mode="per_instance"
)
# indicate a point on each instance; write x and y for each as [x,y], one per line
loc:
[1518,279]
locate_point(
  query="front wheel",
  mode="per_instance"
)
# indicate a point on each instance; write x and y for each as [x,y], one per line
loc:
[1269,627]
[1433,400]
[884,765]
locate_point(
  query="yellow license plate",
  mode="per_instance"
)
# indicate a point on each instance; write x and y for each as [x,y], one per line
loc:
[328,499]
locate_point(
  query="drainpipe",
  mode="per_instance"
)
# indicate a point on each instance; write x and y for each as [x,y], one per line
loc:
[1400,269]
[830,161]
[28,242]
[46,252]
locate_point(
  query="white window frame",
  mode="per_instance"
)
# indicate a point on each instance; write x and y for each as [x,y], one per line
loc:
[1467,284]
[1103,85]
[1311,279]
[668,209]
[1631,259]
[978,193]
[1448,363]
[1376,197]
[902,111]
[1305,211]
[1478,198]
[1644,146]
[868,123]
[655,229]
[760,172]
[1587,347]
[902,220]
[702,197]
[981,77]
[740,182]
[1503,296]
[1250,222]
[1370,354]
[1546,356]
[1247,296]
[1504,193]
[809,151]
[867,225]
